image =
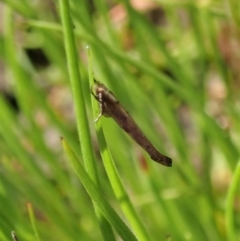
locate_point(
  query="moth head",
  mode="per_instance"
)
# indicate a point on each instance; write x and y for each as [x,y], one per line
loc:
[99,88]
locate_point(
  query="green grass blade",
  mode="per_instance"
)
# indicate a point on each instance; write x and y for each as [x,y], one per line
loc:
[81,117]
[94,193]
[231,233]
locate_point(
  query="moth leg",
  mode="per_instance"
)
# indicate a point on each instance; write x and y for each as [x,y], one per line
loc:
[98,117]
[99,99]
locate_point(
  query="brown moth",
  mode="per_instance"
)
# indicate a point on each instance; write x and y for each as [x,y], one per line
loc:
[110,107]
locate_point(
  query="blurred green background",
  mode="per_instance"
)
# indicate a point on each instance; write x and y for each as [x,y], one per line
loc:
[174,66]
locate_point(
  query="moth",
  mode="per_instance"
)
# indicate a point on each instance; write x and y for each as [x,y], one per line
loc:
[111,107]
